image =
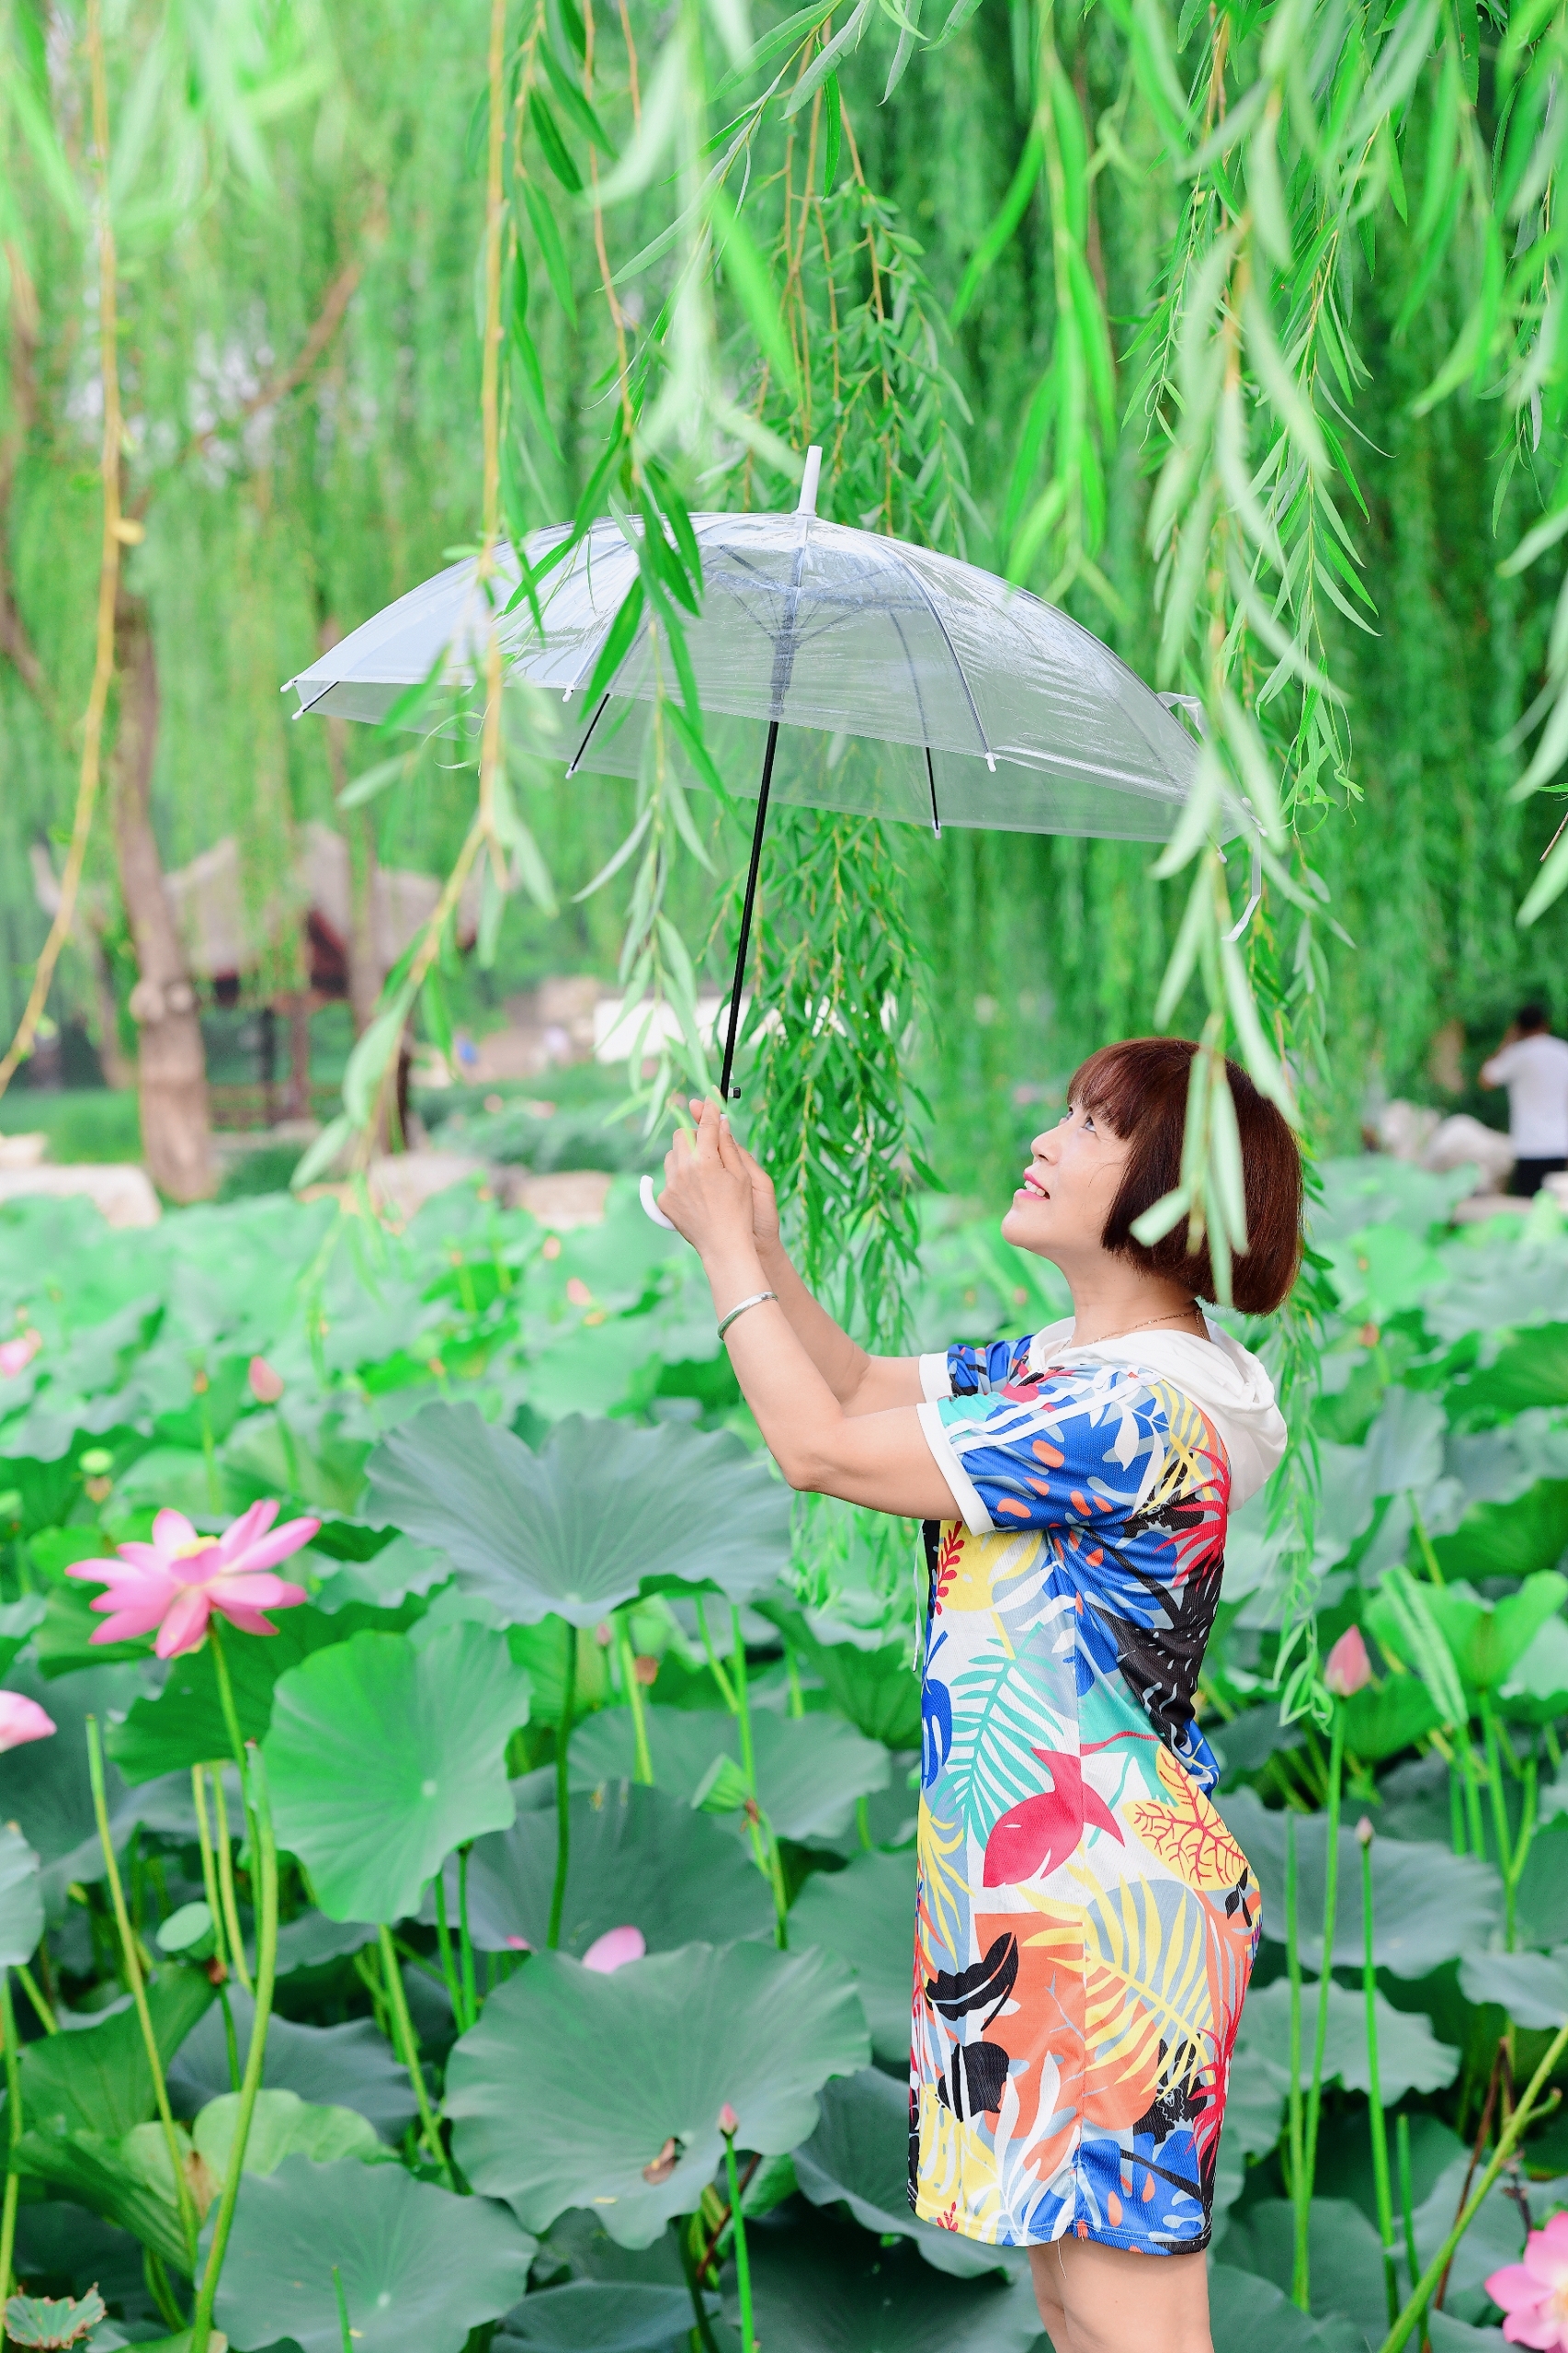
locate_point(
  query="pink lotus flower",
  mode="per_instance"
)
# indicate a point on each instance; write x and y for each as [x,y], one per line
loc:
[22,1720]
[17,1354]
[729,2122]
[180,1578]
[1348,1666]
[266,1386]
[614,1949]
[1534,2293]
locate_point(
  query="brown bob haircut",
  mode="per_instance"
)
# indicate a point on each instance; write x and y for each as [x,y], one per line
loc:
[1139,1089]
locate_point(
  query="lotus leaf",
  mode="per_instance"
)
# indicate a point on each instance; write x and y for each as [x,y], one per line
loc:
[1541,1903]
[1380,1720]
[1530,1370]
[1347,2270]
[419,2266]
[1496,2236]
[1429,1905]
[859,2153]
[126,2181]
[44,2321]
[387,1578]
[639,1858]
[21,1898]
[1410,2057]
[810,1769]
[1532,1987]
[97,2078]
[383,1757]
[866,1916]
[313,1940]
[1248,1741]
[599,2316]
[870,1683]
[1537,1691]
[1488,1638]
[347,2066]
[283,2125]
[601,1512]
[184,1725]
[835,2291]
[542,2120]
[44,1787]
[1512,1539]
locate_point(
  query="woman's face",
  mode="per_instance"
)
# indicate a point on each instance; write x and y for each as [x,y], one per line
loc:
[1059,1211]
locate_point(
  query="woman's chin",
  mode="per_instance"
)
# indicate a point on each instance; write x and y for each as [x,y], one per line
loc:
[1022,1221]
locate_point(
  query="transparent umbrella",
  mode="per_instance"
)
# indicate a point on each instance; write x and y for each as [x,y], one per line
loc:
[837,668]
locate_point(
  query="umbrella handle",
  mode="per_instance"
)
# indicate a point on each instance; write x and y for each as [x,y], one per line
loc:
[651,1207]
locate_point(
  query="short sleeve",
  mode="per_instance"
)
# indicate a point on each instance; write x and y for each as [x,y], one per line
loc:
[974,1368]
[1012,1456]
[1502,1066]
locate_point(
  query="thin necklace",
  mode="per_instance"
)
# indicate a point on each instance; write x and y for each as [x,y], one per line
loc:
[1172,1316]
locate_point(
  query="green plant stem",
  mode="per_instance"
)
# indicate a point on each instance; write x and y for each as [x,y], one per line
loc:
[465,1942]
[161,2289]
[132,1965]
[1374,2083]
[41,2010]
[264,1855]
[863,1822]
[1494,1786]
[792,1670]
[1433,1569]
[726,1691]
[702,2334]
[13,2113]
[226,1881]
[1298,2282]
[1507,2140]
[643,1769]
[1326,1972]
[408,2050]
[1456,1809]
[774,1861]
[743,2260]
[345,2332]
[230,2040]
[562,1780]
[1406,2191]
[1471,1794]
[452,1982]
[1522,1845]
[231,1718]
[209,1864]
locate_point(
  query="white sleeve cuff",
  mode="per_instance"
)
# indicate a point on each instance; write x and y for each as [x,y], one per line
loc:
[961,1488]
[935,1383]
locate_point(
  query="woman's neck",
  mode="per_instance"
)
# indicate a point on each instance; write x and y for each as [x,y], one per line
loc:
[1115,1298]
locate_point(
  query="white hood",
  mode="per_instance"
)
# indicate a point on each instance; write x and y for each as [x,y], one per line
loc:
[1222,1379]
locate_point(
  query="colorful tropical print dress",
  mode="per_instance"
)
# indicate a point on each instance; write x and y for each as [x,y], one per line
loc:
[1085,1925]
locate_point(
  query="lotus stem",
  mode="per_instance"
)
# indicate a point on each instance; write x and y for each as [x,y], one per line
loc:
[444,1948]
[702,2334]
[408,2052]
[161,2289]
[231,1718]
[1472,1793]
[469,1984]
[743,2260]
[562,1784]
[14,2110]
[1300,2192]
[1326,1974]
[264,1857]
[1406,2191]
[1507,2140]
[41,2010]
[726,1691]
[1374,2079]
[345,2332]
[645,1767]
[1522,1845]
[230,2040]
[131,1963]
[226,1881]
[774,1861]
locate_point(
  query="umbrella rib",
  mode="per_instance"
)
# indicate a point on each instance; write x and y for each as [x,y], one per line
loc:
[953,649]
[920,707]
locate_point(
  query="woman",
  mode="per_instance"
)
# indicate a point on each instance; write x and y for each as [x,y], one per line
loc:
[1085,1924]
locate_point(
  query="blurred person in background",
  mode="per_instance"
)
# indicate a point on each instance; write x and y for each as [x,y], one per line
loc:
[1533,1066]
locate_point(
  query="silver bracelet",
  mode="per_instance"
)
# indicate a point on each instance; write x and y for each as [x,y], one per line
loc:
[755,1301]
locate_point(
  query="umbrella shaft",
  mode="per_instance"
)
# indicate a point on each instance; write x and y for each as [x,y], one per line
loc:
[724,1093]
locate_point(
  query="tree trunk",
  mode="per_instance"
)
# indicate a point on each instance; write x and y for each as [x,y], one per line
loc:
[177,1133]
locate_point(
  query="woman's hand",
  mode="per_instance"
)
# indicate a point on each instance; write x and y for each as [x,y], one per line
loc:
[709,1193]
[764,1203]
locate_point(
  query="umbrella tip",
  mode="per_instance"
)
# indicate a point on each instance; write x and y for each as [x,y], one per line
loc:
[809,481]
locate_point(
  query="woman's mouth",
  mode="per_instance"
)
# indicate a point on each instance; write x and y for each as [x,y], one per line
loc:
[1033,1188]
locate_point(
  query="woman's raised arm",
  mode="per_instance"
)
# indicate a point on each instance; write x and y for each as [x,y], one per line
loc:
[861,1382]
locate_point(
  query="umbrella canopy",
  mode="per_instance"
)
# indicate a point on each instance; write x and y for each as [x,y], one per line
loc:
[909,684]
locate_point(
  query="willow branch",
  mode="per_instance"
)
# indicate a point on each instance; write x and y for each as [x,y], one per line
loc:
[108,574]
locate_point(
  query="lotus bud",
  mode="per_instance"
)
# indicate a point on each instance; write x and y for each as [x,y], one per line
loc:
[22,1720]
[518,1944]
[645,1669]
[577,1292]
[1364,1830]
[729,2122]
[17,1354]
[614,1949]
[265,1386]
[1348,1666]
